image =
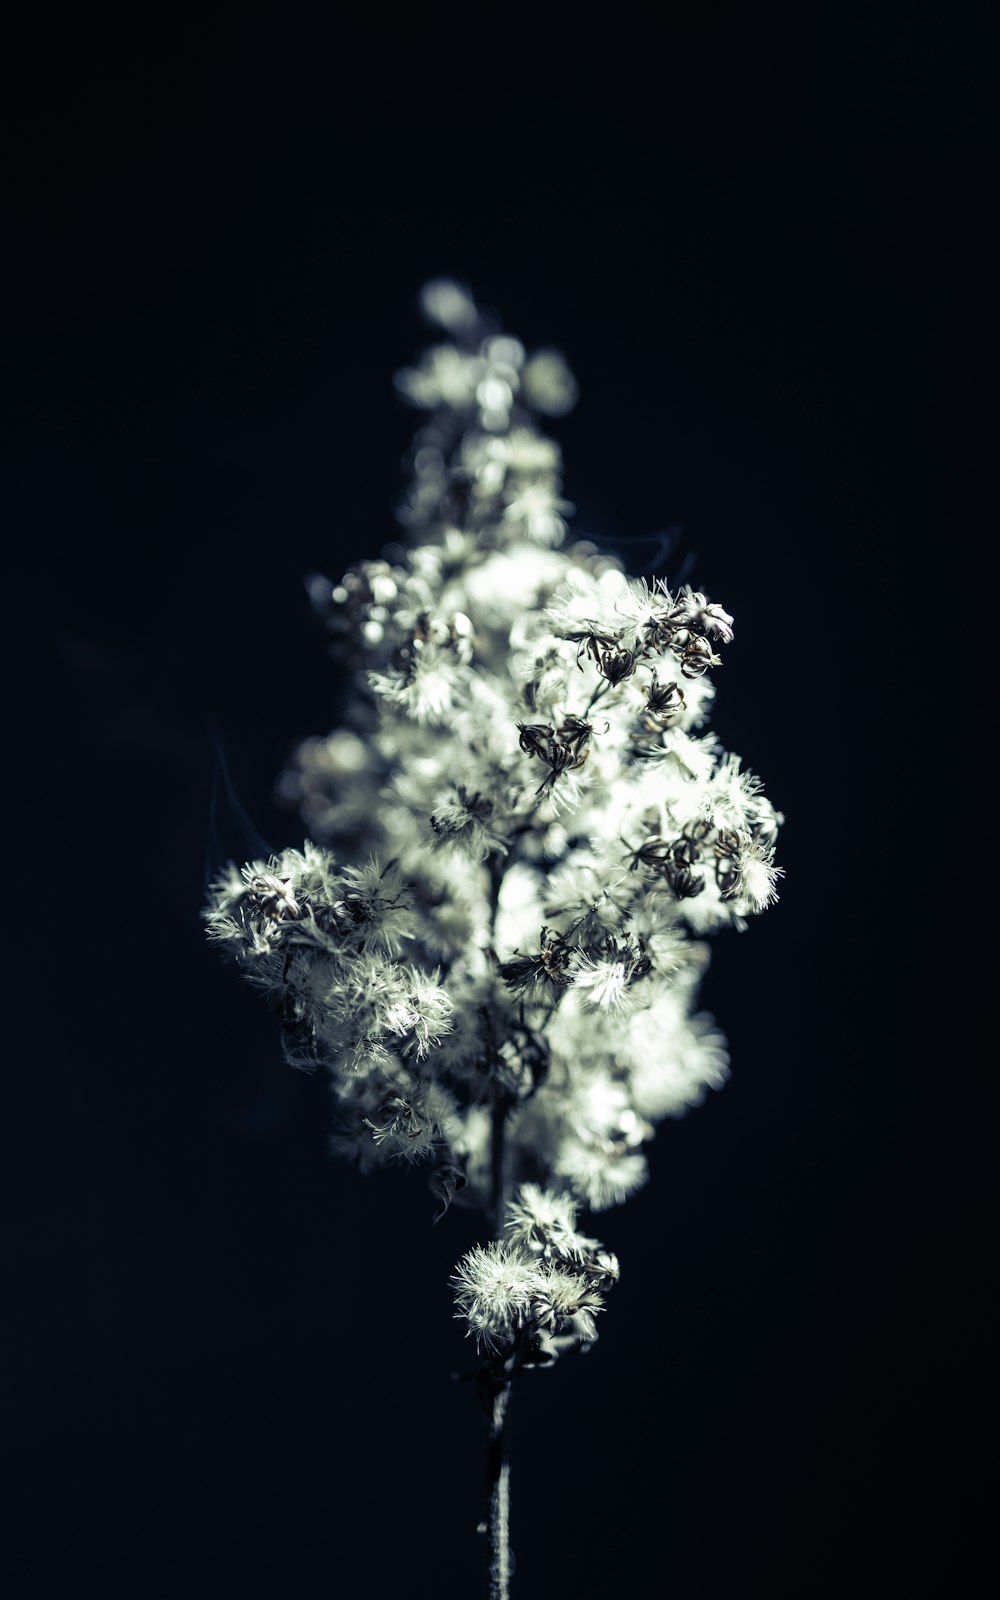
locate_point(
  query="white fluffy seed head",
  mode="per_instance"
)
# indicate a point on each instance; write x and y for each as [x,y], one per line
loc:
[523,831]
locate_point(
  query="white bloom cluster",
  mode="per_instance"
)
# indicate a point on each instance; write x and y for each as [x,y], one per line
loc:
[536,1293]
[526,746]
[323,944]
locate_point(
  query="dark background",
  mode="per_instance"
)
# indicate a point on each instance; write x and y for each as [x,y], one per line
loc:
[763,236]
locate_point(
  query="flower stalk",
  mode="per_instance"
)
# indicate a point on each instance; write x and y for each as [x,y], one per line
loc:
[521,835]
[498,1401]
[498,1497]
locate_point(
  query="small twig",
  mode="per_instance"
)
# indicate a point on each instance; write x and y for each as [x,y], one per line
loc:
[602,688]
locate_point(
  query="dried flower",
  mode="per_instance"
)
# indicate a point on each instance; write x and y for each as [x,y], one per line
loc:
[493,949]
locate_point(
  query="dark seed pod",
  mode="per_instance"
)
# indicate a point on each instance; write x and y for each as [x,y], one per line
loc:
[697,656]
[727,843]
[535,738]
[664,701]
[575,734]
[616,664]
[653,854]
[685,883]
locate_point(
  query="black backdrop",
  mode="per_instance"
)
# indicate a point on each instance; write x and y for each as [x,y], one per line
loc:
[762,235]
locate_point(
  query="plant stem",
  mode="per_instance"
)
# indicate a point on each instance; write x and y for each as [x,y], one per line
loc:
[496,1390]
[498,1175]
[498,1498]
[602,688]
[497,1401]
